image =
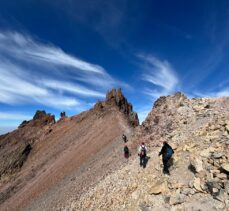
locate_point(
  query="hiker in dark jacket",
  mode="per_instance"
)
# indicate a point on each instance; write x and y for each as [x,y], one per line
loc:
[166,153]
[126,152]
[124,138]
[142,152]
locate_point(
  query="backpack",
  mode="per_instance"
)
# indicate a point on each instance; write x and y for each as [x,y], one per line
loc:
[169,152]
[143,151]
[126,150]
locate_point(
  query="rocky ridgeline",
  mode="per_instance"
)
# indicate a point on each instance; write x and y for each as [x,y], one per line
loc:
[116,98]
[41,118]
[198,130]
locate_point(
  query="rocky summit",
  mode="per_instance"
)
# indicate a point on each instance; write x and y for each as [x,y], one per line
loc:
[77,163]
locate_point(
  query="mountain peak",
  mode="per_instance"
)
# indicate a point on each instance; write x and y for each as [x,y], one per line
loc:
[116,98]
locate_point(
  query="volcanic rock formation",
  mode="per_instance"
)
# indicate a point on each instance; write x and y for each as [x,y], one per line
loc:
[116,98]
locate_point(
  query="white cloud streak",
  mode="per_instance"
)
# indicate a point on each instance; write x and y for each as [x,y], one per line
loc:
[25,48]
[33,73]
[160,74]
[15,88]
[72,88]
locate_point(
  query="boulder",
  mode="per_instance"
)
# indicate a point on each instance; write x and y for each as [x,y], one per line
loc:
[158,187]
[196,163]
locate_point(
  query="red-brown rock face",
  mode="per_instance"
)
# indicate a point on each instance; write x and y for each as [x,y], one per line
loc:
[116,98]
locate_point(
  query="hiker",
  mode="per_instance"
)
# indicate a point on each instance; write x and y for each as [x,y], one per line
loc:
[124,138]
[166,153]
[142,151]
[126,152]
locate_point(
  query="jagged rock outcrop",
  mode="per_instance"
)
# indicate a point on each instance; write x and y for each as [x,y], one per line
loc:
[62,114]
[42,118]
[116,98]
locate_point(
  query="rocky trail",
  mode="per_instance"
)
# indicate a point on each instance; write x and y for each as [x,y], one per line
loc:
[199,170]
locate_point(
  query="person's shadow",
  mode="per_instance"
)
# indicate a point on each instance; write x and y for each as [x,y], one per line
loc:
[145,161]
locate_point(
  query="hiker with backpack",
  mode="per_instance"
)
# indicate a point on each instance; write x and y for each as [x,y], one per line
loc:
[124,138]
[166,153]
[126,152]
[142,152]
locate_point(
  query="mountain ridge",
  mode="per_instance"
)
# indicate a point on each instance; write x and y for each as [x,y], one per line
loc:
[100,178]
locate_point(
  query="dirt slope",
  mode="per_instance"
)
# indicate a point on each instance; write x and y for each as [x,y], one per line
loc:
[65,158]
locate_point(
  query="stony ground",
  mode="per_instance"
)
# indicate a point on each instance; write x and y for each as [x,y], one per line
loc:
[199,134]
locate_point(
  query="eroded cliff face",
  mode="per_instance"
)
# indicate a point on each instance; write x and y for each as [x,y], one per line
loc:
[198,131]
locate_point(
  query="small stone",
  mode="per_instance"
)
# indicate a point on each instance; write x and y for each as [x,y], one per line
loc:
[205,153]
[178,199]
[186,191]
[215,190]
[217,155]
[202,174]
[225,167]
[221,195]
[215,171]
[221,176]
[197,184]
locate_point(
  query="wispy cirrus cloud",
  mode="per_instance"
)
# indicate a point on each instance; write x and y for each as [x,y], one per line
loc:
[25,48]
[33,72]
[16,88]
[72,88]
[160,75]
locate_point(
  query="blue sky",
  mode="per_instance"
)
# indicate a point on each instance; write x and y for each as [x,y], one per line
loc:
[64,55]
